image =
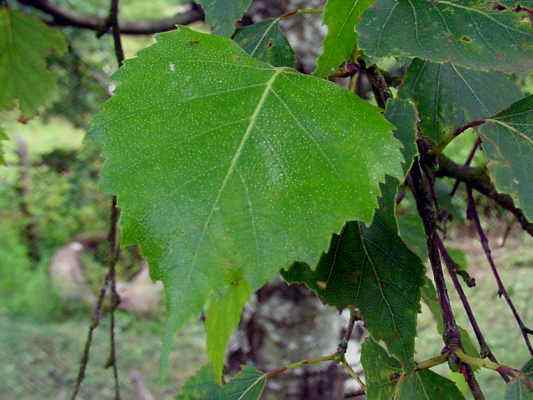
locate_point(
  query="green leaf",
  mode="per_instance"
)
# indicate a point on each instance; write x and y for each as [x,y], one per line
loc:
[340,17]
[520,389]
[222,14]
[223,316]
[507,140]
[267,42]
[249,384]
[201,386]
[3,136]
[220,162]
[447,96]
[402,114]
[469,33]
[25,42]
[386,380]
[372,269]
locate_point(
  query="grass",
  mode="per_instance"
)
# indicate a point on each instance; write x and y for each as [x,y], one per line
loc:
[40,360]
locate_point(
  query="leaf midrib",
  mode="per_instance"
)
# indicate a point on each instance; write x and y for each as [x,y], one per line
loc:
[235,159]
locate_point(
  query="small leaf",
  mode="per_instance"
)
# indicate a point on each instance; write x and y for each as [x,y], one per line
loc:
[223,316]
[447,96]
[402,114]
[340,17]
[219,161]
[25,42]
[507,139]
[386,380]
[201,386]
[223,14]
[522,388]
[267,42]
[248,384]
[464,32]
[372,269]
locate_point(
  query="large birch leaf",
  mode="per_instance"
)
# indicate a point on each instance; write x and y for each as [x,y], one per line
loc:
[340,17]
[372,269]
[448,96]
[221,162]
[469,33]
[25,42]
[507,139]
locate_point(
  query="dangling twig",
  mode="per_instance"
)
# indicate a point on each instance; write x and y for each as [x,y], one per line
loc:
[473,215]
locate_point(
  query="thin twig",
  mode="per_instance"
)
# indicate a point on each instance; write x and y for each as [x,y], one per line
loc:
[471,124]
[467,163]
[478,179]
[452,270]
[473,215]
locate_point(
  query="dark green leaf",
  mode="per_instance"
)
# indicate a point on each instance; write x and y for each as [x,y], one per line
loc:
[402,114]
[223,14]
[447,96]
[266,41]
[248,384]
[25,42]
[507,139]
[3,136]
[340,17]
[520,389]
[386,380]
[220,162]
[464,32]
[372,269]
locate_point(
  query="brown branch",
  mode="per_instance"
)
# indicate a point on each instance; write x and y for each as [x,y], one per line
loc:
[473,215]
[471,124]
[64,17]
[466,164]
[478,179]
[451,335]
[453,269]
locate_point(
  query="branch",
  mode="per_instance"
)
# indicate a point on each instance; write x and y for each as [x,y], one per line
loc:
[478,179]
[64,17]
[473,215]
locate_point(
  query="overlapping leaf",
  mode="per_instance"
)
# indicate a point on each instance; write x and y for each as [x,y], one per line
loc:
[25,42]
[386,380]
[223,14]
[223,316]
[222,163]
[371,268]
[447,96]
[267,42]
[403,115]
[469,33]
[340,17]
[508,142]
[249,384]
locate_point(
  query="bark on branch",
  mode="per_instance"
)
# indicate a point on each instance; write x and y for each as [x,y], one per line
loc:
[478,179]
[63,17]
